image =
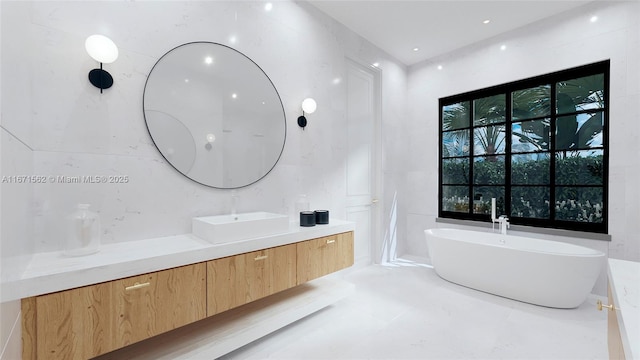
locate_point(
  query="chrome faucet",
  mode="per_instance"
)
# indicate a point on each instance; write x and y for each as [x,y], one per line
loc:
[503,220]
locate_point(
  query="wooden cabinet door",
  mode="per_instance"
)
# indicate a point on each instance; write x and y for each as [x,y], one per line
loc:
[148,305]
[85,322]
[236,280]
[319,257]
[72,324]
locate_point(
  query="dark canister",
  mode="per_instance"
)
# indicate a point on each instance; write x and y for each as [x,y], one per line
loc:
[307,218]
[322,217]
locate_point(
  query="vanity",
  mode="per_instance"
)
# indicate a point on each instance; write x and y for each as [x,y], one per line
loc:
[178,296]
[624,309]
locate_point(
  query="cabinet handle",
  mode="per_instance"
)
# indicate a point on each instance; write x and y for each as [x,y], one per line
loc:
[600,306]
[137,286]
[330,241]
[261,257]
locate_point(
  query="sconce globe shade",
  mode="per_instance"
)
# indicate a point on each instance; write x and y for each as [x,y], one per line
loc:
[101,49]
[309,105]
[211,138]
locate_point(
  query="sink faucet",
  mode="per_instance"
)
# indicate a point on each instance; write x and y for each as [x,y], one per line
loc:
[234,198]
[503,220]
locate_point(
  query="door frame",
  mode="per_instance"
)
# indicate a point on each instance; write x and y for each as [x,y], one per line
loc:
[376,241]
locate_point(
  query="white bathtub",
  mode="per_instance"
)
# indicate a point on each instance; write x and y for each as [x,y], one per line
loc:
[540,272]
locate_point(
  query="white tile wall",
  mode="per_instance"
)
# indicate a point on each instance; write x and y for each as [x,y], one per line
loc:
[77,131]
[557,43]
[68,128]
[16,245]
[74,130]
[16,156]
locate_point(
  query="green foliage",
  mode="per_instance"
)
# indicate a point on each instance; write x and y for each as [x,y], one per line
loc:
[455,198]
[580,211]
[530,202]
[578,173]
[489,110]
[530,172]
[455,143]
[576,170]
[455,172]
[531,103]
[582,204]
[489,172]
[455,116]
[581,93]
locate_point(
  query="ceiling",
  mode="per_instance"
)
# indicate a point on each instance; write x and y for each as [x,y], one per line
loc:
[436,27]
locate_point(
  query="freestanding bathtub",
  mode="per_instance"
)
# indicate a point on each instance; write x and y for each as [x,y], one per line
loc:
[540,272]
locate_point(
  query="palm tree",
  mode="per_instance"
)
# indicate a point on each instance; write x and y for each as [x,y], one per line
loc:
[455,142]
[488,111]
[575,97]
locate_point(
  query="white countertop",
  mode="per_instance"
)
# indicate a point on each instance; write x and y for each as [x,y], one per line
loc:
[52,271]
[624,279]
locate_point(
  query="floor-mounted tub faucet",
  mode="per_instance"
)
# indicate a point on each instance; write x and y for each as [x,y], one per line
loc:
[503,220]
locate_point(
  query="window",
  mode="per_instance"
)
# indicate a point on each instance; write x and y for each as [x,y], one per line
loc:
[539,146]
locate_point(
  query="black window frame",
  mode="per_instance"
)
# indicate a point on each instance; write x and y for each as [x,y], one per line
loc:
[551,79]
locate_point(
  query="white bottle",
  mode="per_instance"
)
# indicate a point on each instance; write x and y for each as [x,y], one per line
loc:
[83,236]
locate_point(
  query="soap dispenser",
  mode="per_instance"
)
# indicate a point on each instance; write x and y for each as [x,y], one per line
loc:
[83,236]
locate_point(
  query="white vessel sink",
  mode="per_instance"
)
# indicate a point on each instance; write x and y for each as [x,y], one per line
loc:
[226,228]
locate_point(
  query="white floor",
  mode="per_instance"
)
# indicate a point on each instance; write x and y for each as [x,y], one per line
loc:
[405,311]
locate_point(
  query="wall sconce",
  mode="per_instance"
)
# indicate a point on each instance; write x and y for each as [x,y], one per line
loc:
[102,50]
[308,106]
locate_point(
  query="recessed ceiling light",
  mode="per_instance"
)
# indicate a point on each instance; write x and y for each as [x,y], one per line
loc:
[439,67]
[593,19]
[234,95]
[208,60]
[486,21]
[375,64]
[233,39]
[416,49]
[503,47]
[268,6]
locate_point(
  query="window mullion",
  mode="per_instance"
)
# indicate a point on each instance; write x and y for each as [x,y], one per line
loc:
[507,159]
[471,155]
[552,154]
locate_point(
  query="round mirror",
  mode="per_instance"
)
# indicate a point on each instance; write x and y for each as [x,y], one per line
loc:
[214,115]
